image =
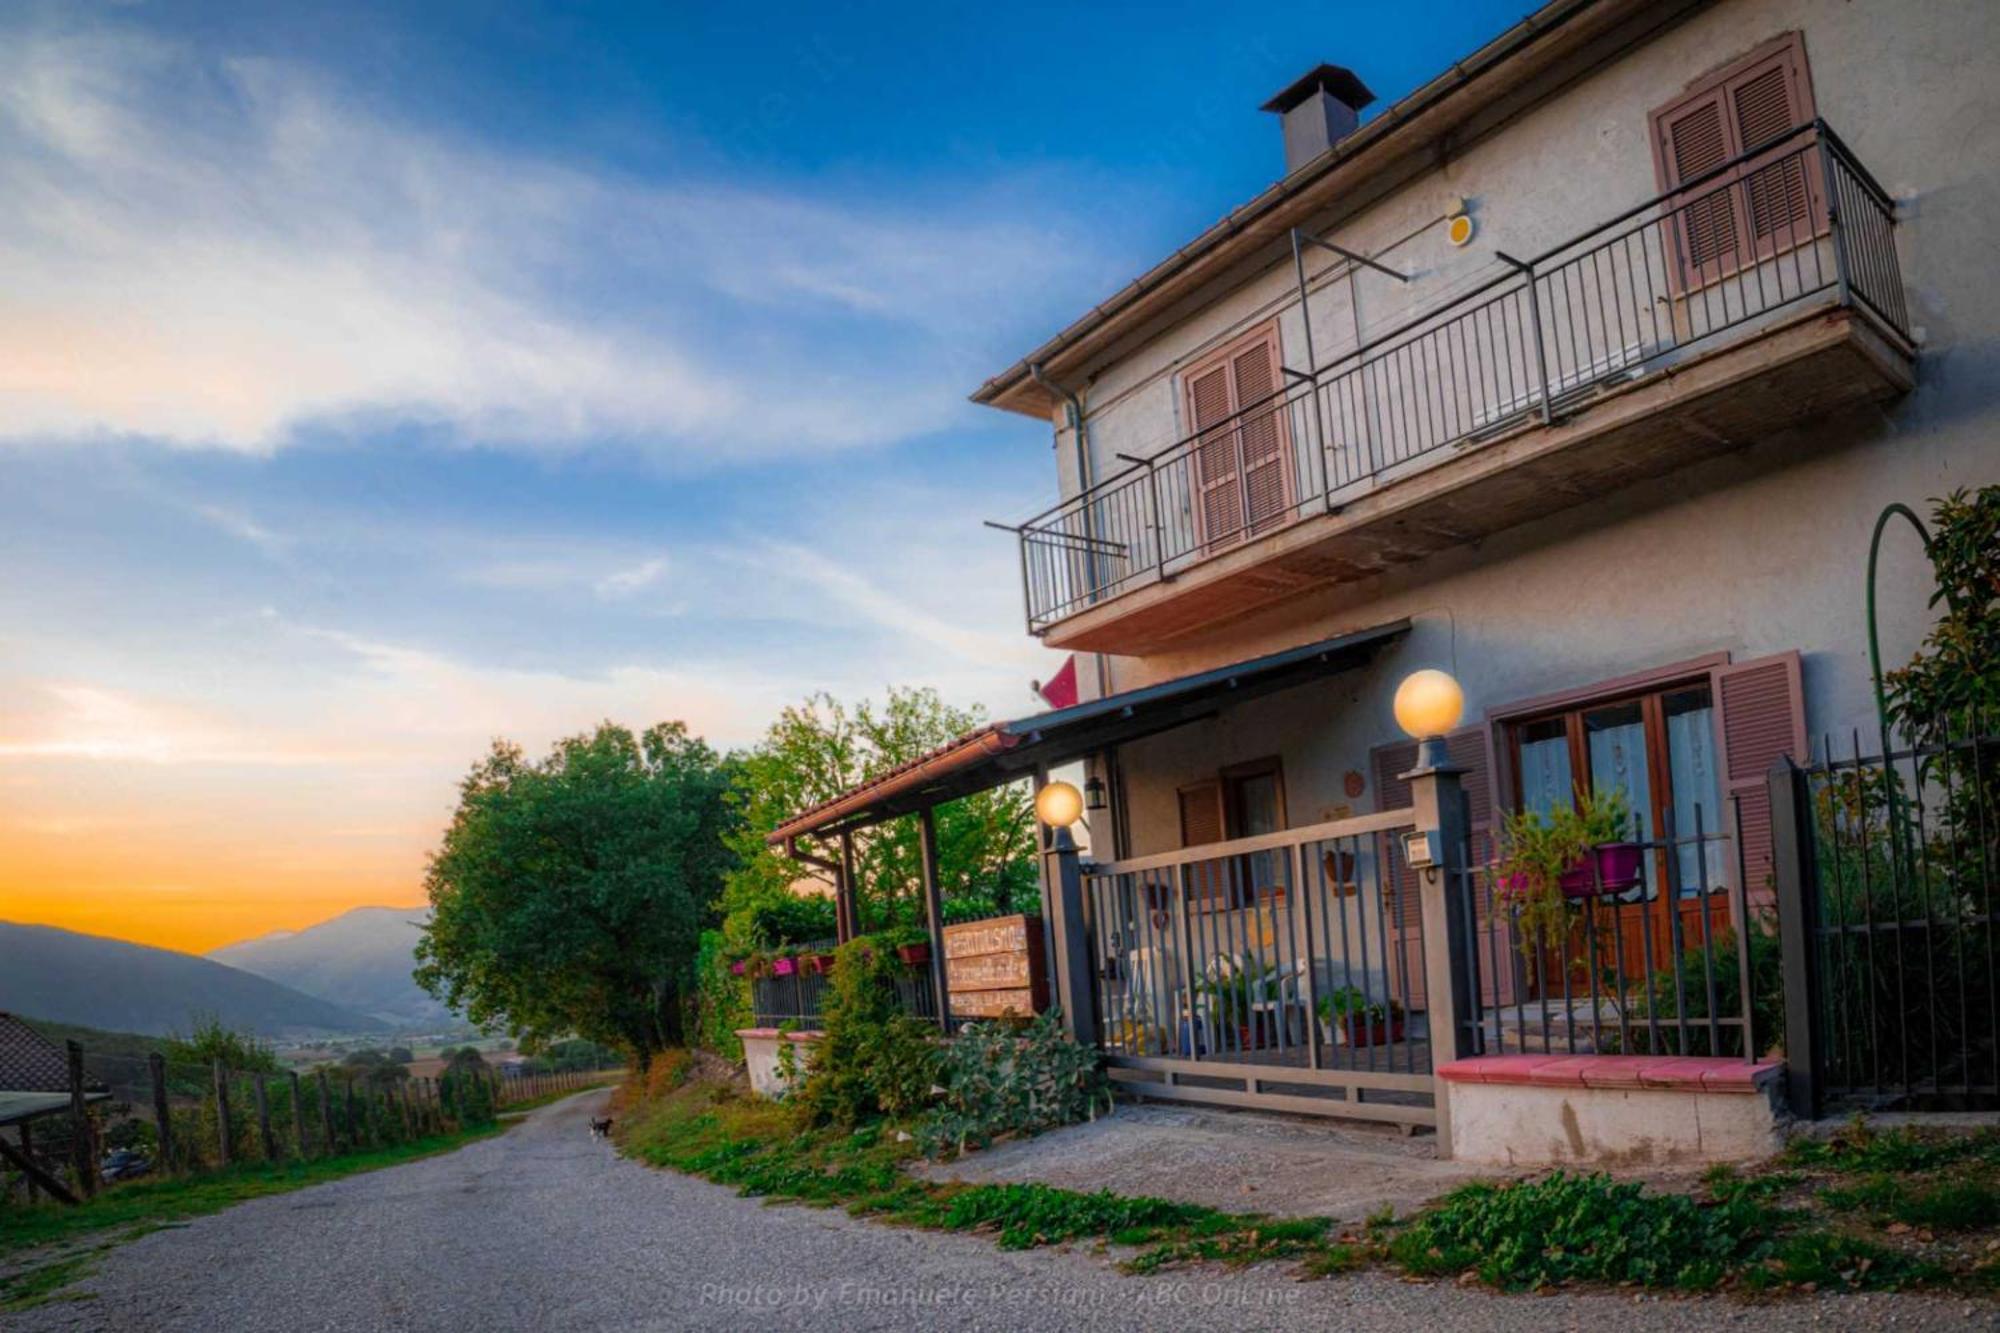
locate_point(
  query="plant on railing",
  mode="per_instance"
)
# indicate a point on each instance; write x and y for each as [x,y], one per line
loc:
[1348,1017]
[1551,859]
[874,1060]
[997,1079]
[1242,997]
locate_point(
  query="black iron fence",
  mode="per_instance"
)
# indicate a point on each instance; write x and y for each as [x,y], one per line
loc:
[1886,878]
[1794,220]
[797,998]
[1666,956]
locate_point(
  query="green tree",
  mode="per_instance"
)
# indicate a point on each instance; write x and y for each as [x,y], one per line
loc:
[211,1040]
[569,894]
[822,747]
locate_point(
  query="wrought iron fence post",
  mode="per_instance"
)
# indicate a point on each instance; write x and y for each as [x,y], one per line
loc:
[1798,933]
[1527,271]
[1159,523]
[1833,228]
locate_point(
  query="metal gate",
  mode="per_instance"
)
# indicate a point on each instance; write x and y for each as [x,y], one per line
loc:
[1886,874]
[1283,971]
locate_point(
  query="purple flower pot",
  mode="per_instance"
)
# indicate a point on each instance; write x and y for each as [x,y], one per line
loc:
[1610,868]
[784,967]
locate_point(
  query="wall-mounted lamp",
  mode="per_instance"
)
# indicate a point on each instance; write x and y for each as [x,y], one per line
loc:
[1059,805]
[1093,794]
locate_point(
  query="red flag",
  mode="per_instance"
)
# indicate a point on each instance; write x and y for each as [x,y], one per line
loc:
[1060,691]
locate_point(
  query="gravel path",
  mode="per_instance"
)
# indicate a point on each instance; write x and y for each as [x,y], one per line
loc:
[546,1228]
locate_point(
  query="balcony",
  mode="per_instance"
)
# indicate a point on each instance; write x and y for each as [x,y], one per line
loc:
[1754,298]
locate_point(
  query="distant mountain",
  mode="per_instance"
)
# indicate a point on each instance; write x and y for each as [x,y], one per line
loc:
[65,977]
[360,960]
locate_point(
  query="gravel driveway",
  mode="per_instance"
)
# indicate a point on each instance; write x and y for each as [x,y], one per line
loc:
[546,1228]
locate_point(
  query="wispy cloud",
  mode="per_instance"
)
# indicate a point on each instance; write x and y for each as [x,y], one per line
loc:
[229,252]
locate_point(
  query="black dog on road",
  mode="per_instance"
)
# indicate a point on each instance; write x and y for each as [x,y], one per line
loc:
[601,1129]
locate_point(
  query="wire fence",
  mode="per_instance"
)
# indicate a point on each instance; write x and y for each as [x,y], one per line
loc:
[128,1116]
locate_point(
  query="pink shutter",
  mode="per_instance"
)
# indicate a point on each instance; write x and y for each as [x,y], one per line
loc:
[1267,475]
[1765,102]
[1759,718]
[1218,502]
[1694,139]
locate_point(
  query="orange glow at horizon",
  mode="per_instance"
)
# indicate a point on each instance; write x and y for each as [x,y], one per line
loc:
[176,893]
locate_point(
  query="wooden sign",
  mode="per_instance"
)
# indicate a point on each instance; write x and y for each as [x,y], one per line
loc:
[996,966]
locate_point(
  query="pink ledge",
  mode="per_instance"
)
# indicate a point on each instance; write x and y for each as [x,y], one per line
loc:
[1663,1073]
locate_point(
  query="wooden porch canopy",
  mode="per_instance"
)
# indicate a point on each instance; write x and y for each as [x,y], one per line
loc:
[1002,752]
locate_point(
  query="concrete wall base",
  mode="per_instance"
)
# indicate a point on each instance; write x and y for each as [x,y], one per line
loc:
[760,1057]
[1512,1124]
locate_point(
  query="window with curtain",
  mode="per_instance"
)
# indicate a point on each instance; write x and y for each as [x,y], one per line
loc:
[1656,747]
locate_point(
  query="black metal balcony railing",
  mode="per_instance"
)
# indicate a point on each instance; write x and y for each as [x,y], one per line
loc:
[1792,220]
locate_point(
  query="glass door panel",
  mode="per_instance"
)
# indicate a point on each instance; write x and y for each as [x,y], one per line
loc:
[1616,740]
[1697,789]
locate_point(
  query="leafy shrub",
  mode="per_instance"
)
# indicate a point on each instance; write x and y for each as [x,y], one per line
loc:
[1566,1228]
[998,1080]
[1031,1215]
[721,999]
[874,1060]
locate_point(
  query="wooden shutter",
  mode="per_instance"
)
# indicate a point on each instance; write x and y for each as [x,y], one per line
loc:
[1759,718]
[1738,215]
[1242,471]
[1266,457]
[1201,814]
[1218,501]
[1696,140]
[1765,102]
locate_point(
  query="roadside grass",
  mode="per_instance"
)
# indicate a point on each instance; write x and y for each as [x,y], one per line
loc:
[1786,1227]
[126,1211]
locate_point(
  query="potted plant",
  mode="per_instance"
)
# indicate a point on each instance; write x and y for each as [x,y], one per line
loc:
[820,964]
[1608,862]
[1569,854]
[784,965]
[1349,1018]
[1239,1000]
[912,945]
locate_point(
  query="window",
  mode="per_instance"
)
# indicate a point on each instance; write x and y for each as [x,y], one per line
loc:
[1243,460]
[1658,748]
[1762,207]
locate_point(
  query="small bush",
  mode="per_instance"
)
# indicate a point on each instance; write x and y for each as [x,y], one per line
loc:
[874,1060]
[998,1080]
[1031,1215]
[1566,1228]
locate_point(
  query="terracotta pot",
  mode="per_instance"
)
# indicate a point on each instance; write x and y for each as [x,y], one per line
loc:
[914,954]
[784,967]
[1377,1033]
[820,964]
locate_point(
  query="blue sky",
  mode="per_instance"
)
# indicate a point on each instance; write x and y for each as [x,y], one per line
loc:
[376,379]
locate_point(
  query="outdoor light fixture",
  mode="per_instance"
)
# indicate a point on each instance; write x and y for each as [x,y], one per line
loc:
[1093,794]
[1429,704]
[1059,805]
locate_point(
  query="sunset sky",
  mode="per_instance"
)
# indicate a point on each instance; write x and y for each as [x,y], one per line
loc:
[379,379]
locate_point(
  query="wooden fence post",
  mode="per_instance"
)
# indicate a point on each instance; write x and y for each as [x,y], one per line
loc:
[28,1151]
[353,1130]
[327,1144]
[79,1123]
[298,1113]
[223,1132]
[163,1123]
[268,1143]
